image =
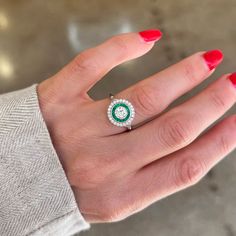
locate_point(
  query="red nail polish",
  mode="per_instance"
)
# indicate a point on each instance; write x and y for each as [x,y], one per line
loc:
[151,35]
[213,58]
[232,78]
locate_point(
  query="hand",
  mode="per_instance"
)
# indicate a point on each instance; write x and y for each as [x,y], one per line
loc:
[114,173]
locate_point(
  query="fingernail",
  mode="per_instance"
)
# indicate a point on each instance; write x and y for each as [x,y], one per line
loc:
[232,78]
[151,35]
[213,58]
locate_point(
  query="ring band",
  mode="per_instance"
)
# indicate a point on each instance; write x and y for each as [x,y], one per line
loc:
[120,112]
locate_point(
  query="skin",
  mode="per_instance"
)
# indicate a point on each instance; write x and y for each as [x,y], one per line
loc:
[113,173]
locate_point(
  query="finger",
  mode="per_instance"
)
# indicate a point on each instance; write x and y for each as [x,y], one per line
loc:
[163,177]
[185,167]
[178,127]
[151,96]
[92,64]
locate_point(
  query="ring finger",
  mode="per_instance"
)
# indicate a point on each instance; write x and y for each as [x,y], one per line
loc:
[152,95]
[178,127]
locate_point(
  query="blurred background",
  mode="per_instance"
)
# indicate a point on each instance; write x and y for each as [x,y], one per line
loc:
[38,37]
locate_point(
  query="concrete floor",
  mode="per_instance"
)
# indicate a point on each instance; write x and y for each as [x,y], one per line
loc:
[39,37]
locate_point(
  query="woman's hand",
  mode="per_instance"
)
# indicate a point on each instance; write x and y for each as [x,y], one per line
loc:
[114,173]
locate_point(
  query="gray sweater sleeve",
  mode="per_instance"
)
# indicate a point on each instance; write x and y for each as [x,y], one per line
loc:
[35,196]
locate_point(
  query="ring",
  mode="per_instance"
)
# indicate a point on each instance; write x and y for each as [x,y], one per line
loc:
[120,112]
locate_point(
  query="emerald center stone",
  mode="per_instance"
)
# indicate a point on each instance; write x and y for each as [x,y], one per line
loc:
[121,112]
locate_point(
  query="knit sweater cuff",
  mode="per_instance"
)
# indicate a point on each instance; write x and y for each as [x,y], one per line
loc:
[35,196]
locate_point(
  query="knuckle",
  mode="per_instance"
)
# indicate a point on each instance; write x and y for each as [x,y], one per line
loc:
[218,100]
[145,100]
[224,146]
[189,171]
[120,47]
[189,72]
[84,63]
[174,131]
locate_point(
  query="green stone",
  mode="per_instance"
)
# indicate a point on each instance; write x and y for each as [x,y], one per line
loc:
[114,115]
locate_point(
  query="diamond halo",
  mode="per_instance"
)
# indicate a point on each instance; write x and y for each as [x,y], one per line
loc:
[121,113]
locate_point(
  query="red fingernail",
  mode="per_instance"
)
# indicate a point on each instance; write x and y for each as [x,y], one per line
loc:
[213,58]
[151,35]
[232,78]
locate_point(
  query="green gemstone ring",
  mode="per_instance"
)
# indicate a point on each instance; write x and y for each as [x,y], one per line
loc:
[120,112]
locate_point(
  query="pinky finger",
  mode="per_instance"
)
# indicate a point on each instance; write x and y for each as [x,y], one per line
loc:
[186,166]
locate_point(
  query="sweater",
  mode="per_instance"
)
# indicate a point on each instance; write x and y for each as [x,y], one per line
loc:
[35,196]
